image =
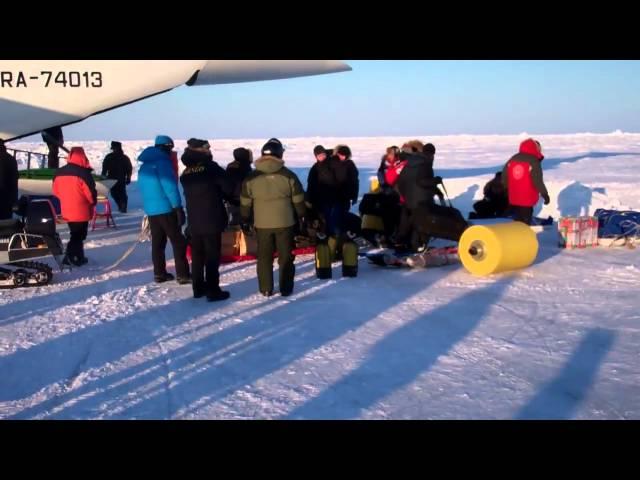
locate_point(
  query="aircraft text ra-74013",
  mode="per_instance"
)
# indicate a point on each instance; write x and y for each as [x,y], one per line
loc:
[39,94]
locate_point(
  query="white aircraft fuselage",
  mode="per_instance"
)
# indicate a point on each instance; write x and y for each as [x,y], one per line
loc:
[40,94]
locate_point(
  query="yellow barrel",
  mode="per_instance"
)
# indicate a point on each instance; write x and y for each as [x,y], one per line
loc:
[488,249]
[372,222]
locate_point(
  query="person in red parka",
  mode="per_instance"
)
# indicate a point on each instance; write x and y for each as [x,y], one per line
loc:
[522,177]
[75,187]
[390,168]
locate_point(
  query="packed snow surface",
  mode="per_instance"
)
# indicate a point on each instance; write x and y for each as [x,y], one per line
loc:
[557,340]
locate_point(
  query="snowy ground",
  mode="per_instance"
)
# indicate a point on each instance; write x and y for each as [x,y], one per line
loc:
[558,340]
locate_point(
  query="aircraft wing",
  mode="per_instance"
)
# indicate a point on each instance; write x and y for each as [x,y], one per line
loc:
[39,94]
[217,72]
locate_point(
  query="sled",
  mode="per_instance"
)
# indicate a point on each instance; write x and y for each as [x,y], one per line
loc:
[39,181]
[23,242]
[432,257]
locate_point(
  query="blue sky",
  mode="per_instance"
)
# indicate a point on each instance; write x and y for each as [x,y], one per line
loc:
[393,98]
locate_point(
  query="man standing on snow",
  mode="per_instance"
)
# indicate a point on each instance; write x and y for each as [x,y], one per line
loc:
[205,186]
[54,139]
[8,183]
[163,205]
[522,177]
[342,193]
[75,187]
[321,183]
[237,172]
[117,166]
[417,186]
[275,196]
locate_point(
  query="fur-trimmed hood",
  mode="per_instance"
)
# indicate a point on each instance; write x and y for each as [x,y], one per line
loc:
[269,164]
[413,146]
[344,148]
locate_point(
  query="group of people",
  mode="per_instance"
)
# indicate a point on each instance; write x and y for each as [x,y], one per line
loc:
[516,189]
[406,176]
[268,201]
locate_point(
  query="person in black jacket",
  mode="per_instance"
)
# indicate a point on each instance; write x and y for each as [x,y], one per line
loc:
[205,186]
[237,172]
[495,202]
[418,186]
[117,166]
[54,139]
[345,190]
[321,183]
[8,183]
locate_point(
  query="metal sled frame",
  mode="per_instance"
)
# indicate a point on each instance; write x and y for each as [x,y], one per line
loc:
[19,242]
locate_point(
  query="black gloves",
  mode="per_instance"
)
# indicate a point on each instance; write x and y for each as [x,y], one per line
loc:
[547,200]
[247,229]
[438,180]
[182,219]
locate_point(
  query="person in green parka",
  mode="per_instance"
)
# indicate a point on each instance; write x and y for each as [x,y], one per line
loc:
[275,196]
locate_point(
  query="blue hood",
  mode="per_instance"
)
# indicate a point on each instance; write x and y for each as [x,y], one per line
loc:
[153,154]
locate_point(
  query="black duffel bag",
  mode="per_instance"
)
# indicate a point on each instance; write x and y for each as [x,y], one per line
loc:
[378,204]
[436,221]
[439,221]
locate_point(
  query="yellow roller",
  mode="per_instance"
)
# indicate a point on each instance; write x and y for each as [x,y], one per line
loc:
[487,249]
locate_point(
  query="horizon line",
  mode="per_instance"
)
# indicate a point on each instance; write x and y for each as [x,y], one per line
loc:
[520,134]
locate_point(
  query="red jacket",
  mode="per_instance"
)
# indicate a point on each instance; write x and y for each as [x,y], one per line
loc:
[174,163]
[75,187]
[523,175]
[393,172]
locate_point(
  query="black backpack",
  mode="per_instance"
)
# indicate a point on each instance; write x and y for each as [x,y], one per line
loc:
[378,204]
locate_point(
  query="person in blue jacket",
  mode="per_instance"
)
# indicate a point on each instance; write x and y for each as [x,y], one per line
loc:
[163,205]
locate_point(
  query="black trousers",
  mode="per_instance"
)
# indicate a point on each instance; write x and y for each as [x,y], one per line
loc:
[205,263]
[162,227]
[270,240]
[53,159]
[408,235]
[522,214]
[75,247]
[119,194]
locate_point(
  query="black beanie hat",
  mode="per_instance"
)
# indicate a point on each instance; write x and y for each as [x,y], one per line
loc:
[242,155]
[197,143]
[429,148]
[274,148]
[116,145]
[344,150]
[318,150]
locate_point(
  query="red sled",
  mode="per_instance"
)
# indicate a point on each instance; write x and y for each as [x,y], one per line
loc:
[248,258]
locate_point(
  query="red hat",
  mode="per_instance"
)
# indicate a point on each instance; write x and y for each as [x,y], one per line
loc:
[532,147]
